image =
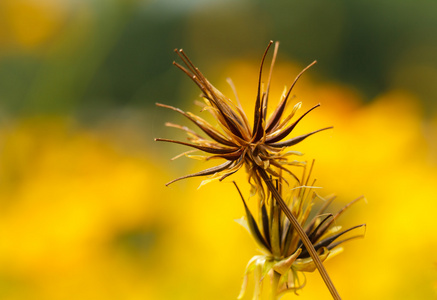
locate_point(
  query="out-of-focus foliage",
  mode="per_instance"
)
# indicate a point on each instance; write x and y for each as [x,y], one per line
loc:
[84,213]
[64,55]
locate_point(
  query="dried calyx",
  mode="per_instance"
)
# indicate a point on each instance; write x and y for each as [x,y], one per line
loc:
[283,255]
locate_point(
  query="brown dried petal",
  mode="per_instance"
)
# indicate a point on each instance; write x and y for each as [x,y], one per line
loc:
[296,139]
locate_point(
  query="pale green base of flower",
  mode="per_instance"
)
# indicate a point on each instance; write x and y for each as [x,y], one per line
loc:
[281,275]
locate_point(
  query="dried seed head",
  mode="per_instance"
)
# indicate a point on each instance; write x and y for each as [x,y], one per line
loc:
[260,146]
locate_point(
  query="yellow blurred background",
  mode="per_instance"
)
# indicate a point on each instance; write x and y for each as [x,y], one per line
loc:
[84,213]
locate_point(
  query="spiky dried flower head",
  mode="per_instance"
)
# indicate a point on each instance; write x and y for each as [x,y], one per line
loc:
[283,254]
[260,146]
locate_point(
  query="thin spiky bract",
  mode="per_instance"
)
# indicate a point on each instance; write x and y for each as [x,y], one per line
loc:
[260,146]
[283,255]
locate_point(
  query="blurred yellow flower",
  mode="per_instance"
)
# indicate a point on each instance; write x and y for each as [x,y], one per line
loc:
[73,206]
[29,24]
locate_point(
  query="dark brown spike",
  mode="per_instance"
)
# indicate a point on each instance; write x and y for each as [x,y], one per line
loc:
[235,117]
[327,241]
[206,87]
[253,226]
[312,235]
[210,133]
[209,171]
[208,91]
[297,139]
[276,116]
[260,129]
[202,148]
[265,223]
[297,78]
[319,212]
[231,156]
[289,129]
[232,120]
[333,245]
[281,107]
[272,64]
[339,213]
[258,104]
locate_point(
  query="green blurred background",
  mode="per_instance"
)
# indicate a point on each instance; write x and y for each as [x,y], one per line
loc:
[84,213]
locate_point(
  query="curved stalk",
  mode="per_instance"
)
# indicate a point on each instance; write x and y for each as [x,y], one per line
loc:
[303,236]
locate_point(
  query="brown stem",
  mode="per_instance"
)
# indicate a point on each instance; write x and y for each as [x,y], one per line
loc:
[303,236]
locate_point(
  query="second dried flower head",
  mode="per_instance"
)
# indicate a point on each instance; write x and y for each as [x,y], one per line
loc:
[283,259]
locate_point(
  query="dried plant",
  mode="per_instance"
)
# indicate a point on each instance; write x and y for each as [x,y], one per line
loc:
[258,147]
[261,148]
